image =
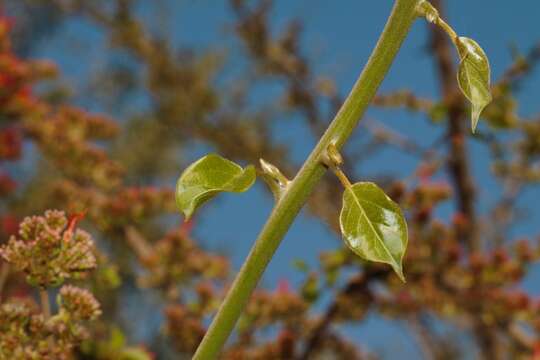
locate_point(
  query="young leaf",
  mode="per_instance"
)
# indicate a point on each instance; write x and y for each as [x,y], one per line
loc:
[207,177]
[474,76]
[272,176]
[373,226]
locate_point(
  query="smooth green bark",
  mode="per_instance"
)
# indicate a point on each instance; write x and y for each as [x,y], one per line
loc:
[296,194]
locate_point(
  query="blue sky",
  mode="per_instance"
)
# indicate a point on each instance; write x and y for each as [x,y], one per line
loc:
[339,35]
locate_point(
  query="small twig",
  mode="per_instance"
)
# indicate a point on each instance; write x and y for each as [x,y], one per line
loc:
[139,244]
[423,337]
[358,284]
[521,67]
[524,338]
[45,303]
[4,273]
[394,138]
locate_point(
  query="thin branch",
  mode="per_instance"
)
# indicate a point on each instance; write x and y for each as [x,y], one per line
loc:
[358,284]
[4,273]
[45,303]
[423,337]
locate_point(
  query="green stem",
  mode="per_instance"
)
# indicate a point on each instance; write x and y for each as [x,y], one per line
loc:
[296,194]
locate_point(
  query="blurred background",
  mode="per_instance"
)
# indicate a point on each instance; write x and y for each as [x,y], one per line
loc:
[131,91]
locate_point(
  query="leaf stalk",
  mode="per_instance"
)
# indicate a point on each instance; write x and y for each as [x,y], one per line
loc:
[428,11]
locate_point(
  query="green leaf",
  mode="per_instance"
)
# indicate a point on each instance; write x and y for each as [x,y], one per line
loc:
[373,226]
[474,76]
[207,177]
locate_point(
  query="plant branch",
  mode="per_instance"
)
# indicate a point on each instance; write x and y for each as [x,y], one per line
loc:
[287,208]
[357,285]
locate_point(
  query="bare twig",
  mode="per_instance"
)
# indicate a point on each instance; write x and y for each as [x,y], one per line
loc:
[4,273]
[45,303]
[358,284]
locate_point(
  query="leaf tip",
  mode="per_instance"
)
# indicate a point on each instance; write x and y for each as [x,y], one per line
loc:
[186,211]
[473,126]
[251,172]
[398,269]
[187,215]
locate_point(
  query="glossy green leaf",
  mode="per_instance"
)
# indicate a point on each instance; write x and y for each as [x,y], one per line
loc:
[373,225]
[207,177]
[474,76]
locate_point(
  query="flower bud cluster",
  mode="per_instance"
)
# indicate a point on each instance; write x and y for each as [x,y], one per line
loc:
[177,260]
[79,303]
[267,308]
[186,329]
[27,334]
[111,211]
[49,251]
